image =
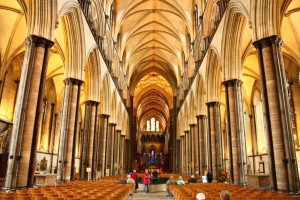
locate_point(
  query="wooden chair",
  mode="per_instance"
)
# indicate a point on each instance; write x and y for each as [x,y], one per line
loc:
[23,198]
[7,197]
[39,198]
[293,197]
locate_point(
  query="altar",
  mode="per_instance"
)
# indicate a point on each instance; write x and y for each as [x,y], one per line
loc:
[44,179]
[258,180]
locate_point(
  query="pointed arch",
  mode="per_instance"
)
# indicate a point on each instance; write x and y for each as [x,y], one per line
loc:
[92,76]
[192,110]
[75,43]
[105,96]
[200,95]
[113,107]
[213,76]
[48,17]
[232,41]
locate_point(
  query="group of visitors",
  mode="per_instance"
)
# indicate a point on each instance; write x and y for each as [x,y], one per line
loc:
[197,179]
[132,178]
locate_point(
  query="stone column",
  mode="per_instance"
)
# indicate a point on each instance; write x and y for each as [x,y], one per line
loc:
[182,154]
[98,145]
[15,97]
[203,143]
[196,150]
[117,148]
[235,118]
[186,152]
[215,138]
[103,131]
[28,107]
[52,140]
[122,152]
[43,135]
[192,147]
[88,140]
[178,156]
[110,147]
[50,127]
[68,129]
[281,151]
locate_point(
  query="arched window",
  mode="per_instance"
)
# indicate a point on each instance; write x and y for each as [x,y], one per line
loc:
[152,125]
[148,125]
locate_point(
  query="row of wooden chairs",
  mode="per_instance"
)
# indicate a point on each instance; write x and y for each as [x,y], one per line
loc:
[212,192]
[105,189]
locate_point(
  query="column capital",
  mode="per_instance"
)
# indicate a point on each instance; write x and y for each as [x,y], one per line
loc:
[91,102]
[103,116]
[181,136]
[118,131]
[213,103]
[39,41]
[233,82]
[72,81]
[268,42]
[193,125]
[187,131]
[201,116]
[112,124]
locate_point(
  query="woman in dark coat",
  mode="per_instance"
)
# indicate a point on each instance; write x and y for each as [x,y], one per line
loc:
[209,176]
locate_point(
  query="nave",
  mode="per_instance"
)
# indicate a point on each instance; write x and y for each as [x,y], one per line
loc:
[108,188]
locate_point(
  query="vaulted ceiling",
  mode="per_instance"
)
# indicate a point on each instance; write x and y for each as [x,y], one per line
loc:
[154,38]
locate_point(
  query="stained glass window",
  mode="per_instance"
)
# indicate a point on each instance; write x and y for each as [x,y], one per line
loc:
[152,124]
[148,125]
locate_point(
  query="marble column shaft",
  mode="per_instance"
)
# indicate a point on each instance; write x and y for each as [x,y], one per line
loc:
[122,152]
[192,147]
[235,118]
[103,129]
[281,151]
[215,138]
[178,156]
[182,147]
[52,140]
[186,151]
[28,107]
[68,129]
[88,140]
[110,147]
[50,127]
[203,143]
[117,147]
[98,145]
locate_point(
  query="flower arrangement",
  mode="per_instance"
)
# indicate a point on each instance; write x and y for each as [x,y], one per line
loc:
[224,176]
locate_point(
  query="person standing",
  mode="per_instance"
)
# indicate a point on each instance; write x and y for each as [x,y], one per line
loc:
[146,181]
[135,177]
[209,176]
